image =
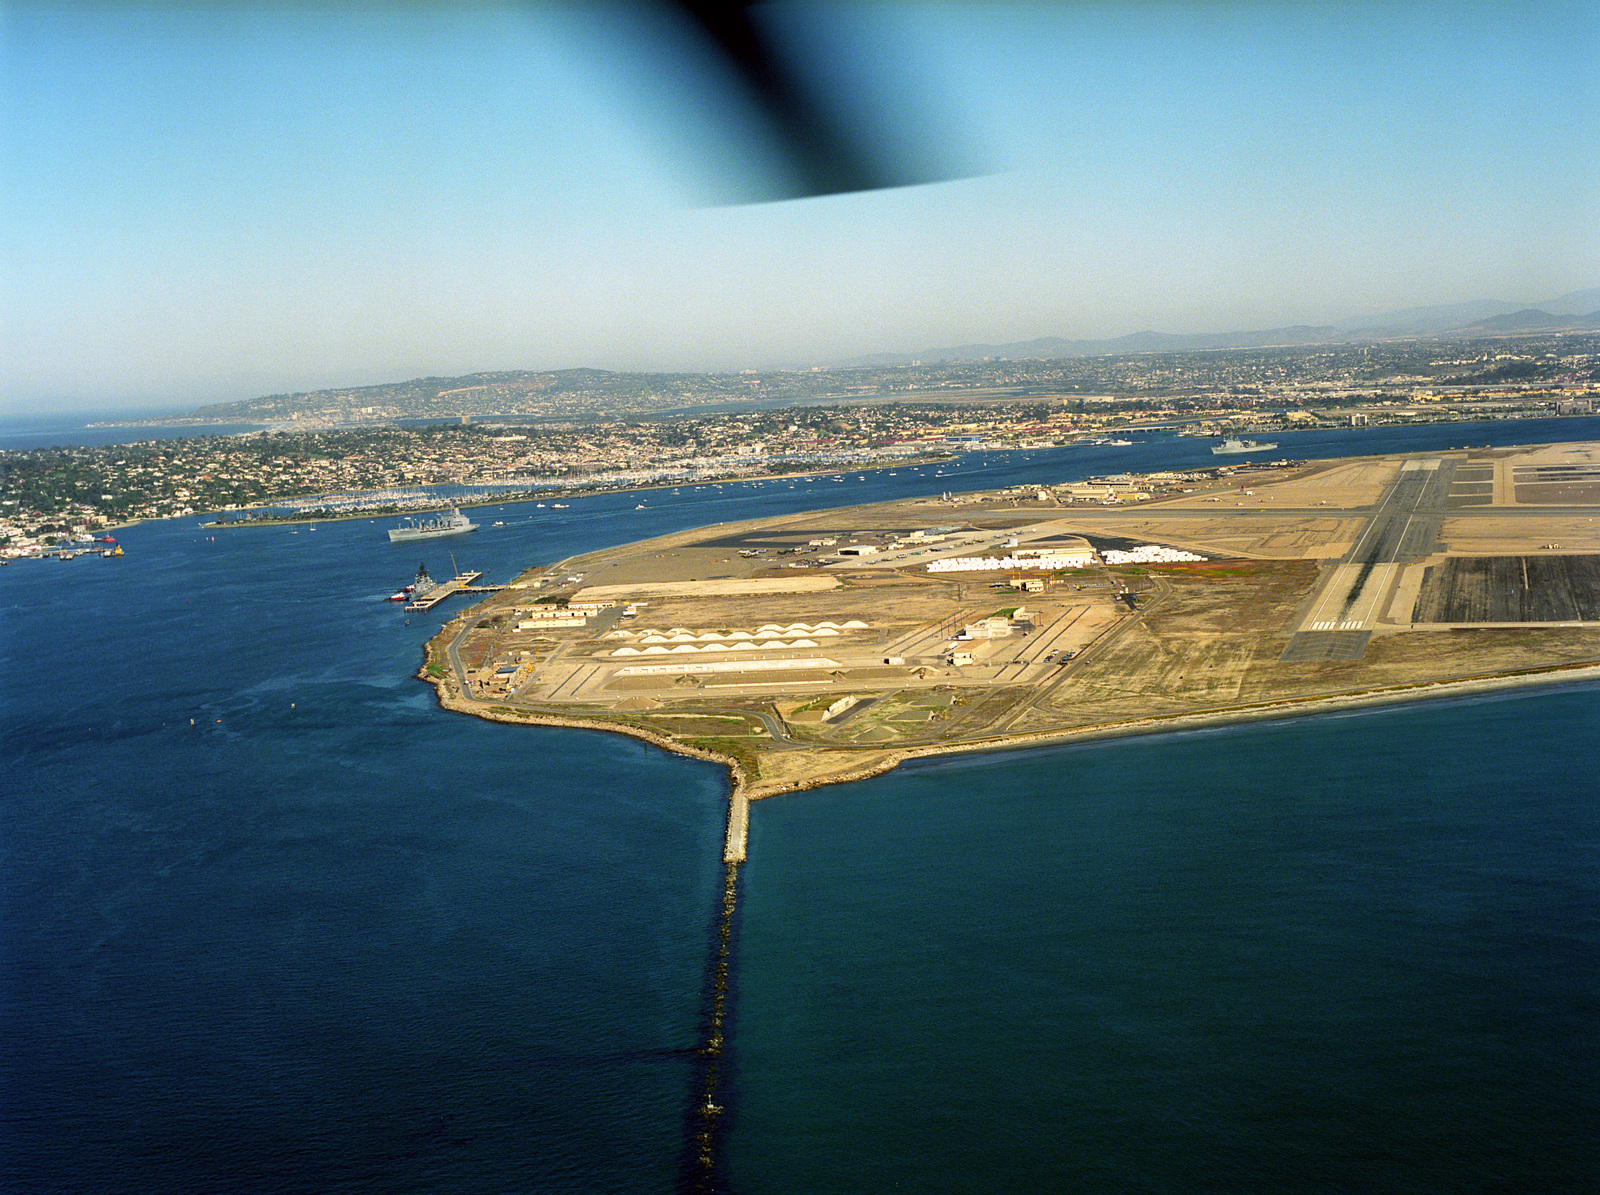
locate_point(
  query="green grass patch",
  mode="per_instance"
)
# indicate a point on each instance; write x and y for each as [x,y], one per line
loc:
[702,725]
[736,749]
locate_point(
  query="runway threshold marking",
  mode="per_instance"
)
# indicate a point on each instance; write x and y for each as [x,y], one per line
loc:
[1338,607]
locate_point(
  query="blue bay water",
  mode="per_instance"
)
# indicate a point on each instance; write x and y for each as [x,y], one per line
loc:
[330,937]
[327,937]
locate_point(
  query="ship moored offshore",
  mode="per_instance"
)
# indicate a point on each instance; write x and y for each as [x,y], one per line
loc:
[1233,444]
[451,522]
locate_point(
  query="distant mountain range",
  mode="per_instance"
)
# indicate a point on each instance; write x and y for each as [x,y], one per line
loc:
[1532,319]
[1575,312]
[593,393]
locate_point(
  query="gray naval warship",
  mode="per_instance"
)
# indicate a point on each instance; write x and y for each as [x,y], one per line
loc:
[451,522]
[1228,446]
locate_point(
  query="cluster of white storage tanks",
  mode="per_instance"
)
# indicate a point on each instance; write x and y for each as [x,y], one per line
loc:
[978,564]
[1147,554]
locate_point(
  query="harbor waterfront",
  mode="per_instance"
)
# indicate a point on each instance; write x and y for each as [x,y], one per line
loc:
[275,921]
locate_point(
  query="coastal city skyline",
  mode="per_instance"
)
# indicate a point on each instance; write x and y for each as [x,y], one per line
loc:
[208,205]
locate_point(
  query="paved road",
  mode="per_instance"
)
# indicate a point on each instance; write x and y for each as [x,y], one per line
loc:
[454,652]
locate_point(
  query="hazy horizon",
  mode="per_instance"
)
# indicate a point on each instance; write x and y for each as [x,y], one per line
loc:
[212,203]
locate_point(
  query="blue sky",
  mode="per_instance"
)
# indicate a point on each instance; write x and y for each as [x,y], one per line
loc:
[212,201]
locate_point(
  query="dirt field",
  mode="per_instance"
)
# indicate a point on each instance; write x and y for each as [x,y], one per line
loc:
[1309,537]
[1525,534]
[1196,648]
[1332,483]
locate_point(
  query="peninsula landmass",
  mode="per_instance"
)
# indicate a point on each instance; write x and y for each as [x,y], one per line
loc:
[814,648]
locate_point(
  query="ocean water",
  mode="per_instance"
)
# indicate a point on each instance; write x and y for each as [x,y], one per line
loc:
[272,921]
[1340,954]
[59,430]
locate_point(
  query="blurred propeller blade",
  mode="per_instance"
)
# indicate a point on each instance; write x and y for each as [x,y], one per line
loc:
[827,151]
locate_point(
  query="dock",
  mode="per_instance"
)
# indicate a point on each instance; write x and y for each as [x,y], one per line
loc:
[460,583]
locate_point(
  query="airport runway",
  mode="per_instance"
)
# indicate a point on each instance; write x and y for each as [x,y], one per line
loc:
[1403,526]
[1151,511]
